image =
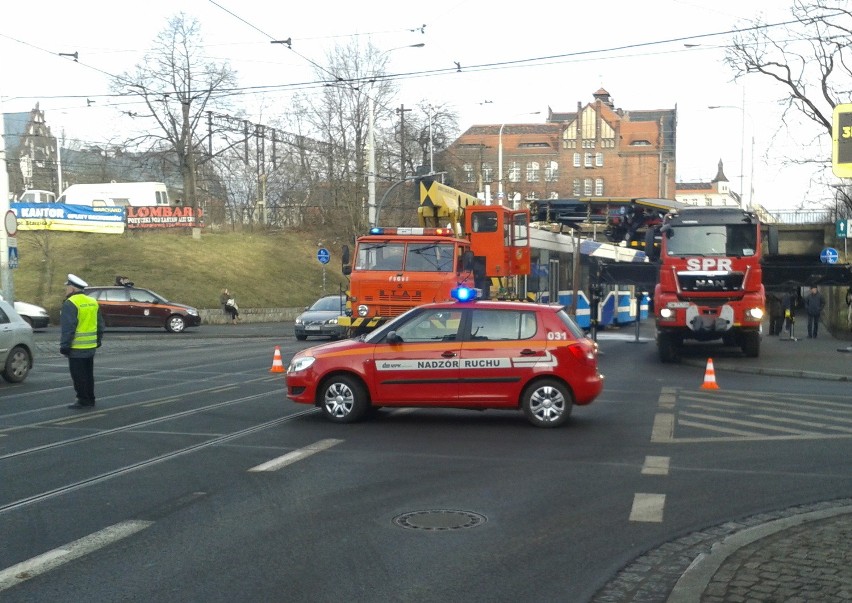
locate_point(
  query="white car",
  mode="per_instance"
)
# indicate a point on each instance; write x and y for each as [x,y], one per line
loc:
[36,316]
[16,345]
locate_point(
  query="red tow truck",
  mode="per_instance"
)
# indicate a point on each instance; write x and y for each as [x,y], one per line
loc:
[710,283]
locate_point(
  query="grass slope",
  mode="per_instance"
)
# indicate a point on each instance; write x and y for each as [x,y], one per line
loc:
[268,270]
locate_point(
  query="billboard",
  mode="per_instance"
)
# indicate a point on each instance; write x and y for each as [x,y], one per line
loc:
[74,218]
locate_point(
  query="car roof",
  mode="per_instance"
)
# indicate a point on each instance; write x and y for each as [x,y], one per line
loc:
[494,305]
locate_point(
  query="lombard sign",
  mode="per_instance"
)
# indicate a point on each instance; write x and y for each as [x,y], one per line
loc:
[163,217]
[74,218]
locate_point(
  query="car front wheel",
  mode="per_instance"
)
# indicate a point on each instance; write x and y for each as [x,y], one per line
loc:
[547,403]
[343,399]
[175,324]
[18,365]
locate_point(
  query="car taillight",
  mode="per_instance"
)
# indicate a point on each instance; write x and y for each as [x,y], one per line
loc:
[585,351]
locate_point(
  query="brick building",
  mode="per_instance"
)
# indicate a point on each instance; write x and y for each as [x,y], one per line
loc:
[598,150]
[30,152]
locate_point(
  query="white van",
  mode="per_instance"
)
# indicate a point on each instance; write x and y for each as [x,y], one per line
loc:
[117,194]
[37,196]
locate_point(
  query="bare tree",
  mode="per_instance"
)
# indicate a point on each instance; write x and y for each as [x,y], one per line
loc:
[810,60]
[178,85]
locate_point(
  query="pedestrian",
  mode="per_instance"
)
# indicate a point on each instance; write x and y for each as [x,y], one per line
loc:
[776,313]
[814,303]
[849,308]
[81,331]
[788,308]
[229,305]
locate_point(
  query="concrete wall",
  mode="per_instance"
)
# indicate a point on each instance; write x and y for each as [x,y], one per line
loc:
[218,317]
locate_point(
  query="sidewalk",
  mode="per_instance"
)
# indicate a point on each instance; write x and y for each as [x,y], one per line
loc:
[797,555]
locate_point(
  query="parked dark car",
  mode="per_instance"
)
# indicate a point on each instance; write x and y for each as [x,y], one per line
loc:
[321,318]
[136,307]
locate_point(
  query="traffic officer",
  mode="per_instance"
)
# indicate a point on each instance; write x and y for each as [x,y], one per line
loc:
[82,327]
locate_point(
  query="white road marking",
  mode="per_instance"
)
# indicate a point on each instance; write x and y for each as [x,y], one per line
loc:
[656,465]
[50,560]
[296,455]
[79,419]
[648,507]
[663,430]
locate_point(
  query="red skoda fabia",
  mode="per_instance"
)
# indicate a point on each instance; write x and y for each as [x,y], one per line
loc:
[475,355]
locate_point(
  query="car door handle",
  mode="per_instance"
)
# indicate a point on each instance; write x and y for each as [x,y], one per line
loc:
[448,355]
[529,352]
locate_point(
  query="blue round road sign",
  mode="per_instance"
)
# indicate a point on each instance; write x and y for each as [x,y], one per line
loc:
[323,255]
[829,255]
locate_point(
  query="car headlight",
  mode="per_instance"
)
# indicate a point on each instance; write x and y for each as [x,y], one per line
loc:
[331,321]
[300,364]
[192,311]
[754,313]
[362,310]
[298,321]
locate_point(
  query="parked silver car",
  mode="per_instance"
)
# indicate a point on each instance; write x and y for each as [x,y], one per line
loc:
[321,318]
[16,345]
[36,316]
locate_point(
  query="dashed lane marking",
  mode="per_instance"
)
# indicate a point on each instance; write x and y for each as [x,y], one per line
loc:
[296,455]
[86,417]
[656,465]
[648,507]
[50,560]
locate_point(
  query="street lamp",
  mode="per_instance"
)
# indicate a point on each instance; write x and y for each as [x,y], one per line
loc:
[742,145]
[500,157]
[371,145]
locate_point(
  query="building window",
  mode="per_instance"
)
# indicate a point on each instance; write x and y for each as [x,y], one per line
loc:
[569,143]
[487,172]
[599,159]
[588,159]
[599,187]
[551,172]
[576,188]
[587,187]
[531,196]
[588,143]
[514,171]
[608,143]
[469,175]
[576,160]
[532,171]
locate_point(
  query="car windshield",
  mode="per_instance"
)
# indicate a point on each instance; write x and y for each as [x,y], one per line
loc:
[328,304]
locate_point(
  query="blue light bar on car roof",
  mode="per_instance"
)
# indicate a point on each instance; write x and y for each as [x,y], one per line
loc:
[465,294]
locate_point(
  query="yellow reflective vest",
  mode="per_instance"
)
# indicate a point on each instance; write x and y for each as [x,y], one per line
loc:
[86,335]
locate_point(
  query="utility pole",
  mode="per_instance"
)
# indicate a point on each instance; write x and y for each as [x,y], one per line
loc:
[402,111]
[6,282]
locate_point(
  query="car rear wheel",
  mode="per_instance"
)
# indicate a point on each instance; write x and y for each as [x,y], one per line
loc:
[175,324]
[18,365]
[547,403]
[343,399]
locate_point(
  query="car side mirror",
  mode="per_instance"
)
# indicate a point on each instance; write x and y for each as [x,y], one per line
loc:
[393,339]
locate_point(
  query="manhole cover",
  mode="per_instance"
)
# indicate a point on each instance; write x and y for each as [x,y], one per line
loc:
[439,519]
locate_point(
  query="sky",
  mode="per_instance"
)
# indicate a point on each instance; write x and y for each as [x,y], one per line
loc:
[672,63]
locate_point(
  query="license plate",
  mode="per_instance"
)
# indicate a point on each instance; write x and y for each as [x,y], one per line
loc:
[312,328]
[675,305]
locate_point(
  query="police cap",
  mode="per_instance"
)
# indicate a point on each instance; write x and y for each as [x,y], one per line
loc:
[76,281]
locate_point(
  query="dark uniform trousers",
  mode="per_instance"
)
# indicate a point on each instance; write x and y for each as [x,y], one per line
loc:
[83,375]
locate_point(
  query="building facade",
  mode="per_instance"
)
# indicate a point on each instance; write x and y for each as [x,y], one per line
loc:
[30,152]
[716,193]
[596,151]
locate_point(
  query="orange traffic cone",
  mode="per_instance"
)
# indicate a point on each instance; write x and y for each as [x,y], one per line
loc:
[710,376]
[277,364]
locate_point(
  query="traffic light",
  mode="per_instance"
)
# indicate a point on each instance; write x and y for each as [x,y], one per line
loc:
[841,138]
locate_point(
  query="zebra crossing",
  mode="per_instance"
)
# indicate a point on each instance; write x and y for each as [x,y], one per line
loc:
[713,416]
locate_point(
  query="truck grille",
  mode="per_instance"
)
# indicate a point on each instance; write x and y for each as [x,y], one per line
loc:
[701,282]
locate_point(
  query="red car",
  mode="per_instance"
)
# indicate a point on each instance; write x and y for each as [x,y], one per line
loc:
[473,354]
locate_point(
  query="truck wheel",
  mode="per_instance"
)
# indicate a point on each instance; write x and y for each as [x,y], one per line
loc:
[751,344]
[668,347]
[547,403]
[343,399]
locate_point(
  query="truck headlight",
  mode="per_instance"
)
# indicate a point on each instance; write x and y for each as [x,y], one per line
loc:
[666,313]
[362,310]
[754,313]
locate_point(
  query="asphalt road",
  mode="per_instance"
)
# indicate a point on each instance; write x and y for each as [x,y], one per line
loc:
[196,480]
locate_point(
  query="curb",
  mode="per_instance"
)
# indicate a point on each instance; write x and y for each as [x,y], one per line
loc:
[772,372]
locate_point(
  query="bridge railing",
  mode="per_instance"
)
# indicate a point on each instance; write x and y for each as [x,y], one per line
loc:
[799,216]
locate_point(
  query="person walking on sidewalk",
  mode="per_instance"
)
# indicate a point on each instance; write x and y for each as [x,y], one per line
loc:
[814,303]
[776,313]
[82,327]
[788,308]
